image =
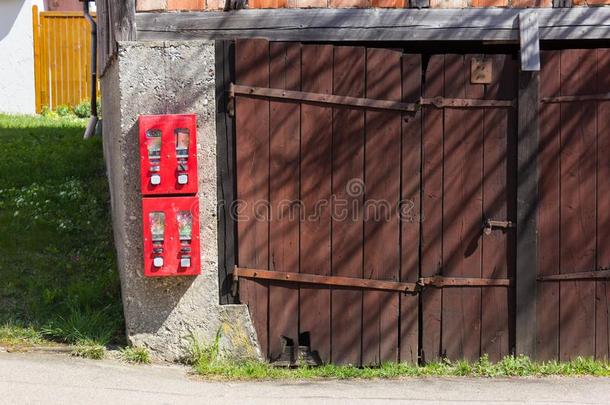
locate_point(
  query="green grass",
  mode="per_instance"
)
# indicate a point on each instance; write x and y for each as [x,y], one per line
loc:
[57,263]
[89,350]
[138,355]
[510,366]
[14,335]
[208,362]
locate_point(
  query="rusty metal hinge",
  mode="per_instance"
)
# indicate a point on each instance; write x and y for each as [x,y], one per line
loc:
[384,285]
[440,282]
[584,97]
[602,273]
[321,98]
[358,102]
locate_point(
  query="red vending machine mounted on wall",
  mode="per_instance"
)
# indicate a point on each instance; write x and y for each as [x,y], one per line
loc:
[170,208]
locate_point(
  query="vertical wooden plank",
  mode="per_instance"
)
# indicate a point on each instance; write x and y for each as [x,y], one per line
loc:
[61,59]
[36,38]
[284,127]
[252,139]
[578,205]
[75,54]
[382,192]
[496,247]
[69,74]
[462,213]
[85,45]
[348,189]
[52,62]
[315,191]
[44,50]
[410,207]
[602,298]
[225,163]
[527,201]
[432,209]
[547,334]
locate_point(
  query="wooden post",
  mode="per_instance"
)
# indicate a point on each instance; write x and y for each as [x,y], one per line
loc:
[225,162]
[527,207]
[529,39]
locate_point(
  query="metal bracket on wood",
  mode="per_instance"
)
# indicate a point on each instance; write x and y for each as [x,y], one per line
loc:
[583,275]
[443,102]
[383,285]
[529,38]
[419,3]
[440,282]
[584,97]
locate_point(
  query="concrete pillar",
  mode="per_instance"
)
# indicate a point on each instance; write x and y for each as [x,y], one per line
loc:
[163,314]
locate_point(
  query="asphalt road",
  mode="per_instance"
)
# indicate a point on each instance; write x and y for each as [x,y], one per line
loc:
[30,378]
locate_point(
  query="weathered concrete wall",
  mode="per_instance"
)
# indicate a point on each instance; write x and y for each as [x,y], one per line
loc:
[163,313]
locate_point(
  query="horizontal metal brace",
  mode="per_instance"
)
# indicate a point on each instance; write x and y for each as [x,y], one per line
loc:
[439,281]
[325,280]
[443,102]
[584,97]
[320,98]
[583,275]
[384,285]
[357,102]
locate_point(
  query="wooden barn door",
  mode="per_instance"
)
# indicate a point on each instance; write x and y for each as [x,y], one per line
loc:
[305,172]
[468,178]
[574,213]
[348,243]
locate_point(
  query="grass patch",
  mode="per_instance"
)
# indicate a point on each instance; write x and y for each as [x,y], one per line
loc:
[138,355]
[16,335]
[207,362]
[57,264]
[89,350]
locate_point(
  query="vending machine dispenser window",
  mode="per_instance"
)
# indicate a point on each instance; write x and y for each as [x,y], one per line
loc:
[157,231]
[153,144]
[182,153]
[185,233]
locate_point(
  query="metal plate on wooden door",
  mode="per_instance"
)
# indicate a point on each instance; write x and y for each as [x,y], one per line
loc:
[481,71]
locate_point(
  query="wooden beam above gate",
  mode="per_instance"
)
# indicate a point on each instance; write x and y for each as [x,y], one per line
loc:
[374,24]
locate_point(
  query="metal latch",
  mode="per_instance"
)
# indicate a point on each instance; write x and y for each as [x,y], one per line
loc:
[490,224]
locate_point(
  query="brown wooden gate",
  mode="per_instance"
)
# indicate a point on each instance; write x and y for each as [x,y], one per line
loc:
[574,211]
[368,210]
[468,177]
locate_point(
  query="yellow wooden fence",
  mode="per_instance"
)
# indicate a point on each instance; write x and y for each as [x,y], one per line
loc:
[62,58]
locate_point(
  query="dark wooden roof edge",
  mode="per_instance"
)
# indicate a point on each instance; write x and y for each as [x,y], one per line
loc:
[374,24]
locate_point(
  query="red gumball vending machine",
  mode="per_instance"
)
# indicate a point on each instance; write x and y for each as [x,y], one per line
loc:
[170,208]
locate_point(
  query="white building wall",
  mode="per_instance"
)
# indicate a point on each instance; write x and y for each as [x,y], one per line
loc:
[17,56]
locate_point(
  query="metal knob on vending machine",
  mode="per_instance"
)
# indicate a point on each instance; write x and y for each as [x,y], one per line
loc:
[158,262]
[155,179]
[183,178]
